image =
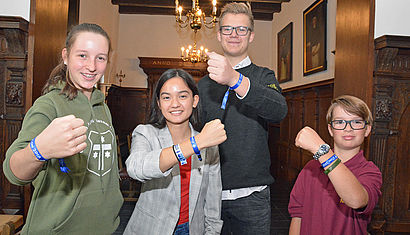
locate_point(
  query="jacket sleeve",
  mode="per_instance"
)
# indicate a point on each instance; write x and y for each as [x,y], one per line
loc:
[213,198]
[36,120]
[143,162]
[265,96]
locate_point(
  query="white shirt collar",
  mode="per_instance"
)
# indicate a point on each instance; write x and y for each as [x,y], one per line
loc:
[245,62]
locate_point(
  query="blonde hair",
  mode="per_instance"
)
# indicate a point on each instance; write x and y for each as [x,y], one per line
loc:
[237,8]
[352,105]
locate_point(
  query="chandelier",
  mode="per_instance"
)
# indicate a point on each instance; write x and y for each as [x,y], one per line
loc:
[194,55]
[195,18]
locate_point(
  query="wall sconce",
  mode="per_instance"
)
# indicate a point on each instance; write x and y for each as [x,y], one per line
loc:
[120,76]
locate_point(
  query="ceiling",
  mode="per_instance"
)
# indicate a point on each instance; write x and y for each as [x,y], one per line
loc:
[261,9]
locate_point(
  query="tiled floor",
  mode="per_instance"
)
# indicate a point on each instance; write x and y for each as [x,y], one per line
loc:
[279,204]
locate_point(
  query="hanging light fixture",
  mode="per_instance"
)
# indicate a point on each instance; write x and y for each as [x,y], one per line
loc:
[194,55]
[195,18]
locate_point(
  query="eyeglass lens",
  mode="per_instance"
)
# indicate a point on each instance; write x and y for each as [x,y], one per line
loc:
[240,30]
[342,124]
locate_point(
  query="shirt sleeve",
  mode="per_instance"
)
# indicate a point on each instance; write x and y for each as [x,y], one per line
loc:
[371,180]
[296,199]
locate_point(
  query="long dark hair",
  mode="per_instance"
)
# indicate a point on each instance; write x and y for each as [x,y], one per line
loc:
[156,118]
[60,72]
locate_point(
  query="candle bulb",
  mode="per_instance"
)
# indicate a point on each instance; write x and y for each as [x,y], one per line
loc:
[180,11]
[193,5]
[214,7]
[176,5]
[182,51]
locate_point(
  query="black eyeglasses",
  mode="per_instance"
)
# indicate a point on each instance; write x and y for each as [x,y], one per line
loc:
[240,30]
[354,124]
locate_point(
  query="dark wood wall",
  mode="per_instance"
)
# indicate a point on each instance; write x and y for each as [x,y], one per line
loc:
[354,57]
[389,144]
[49,21]
[307,106]
[128,106]
[27,57]
[13,81]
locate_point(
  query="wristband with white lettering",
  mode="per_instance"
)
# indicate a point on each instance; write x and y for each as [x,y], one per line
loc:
[180,156]
[35,150]
[329,161]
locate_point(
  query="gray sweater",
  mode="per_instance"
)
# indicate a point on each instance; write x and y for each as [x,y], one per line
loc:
[245,158]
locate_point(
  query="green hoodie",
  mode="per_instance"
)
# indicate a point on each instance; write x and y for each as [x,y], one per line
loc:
[86,200]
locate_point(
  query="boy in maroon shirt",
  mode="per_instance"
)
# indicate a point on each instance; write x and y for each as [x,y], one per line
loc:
[337,192]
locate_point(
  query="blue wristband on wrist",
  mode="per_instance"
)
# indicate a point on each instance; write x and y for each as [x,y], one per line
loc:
[195,147]
[329,161]
[180,156]
[35,151]
[238,83]
[225,99]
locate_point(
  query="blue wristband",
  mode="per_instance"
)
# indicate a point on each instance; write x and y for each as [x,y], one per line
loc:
[35,151]
[195,147]
[238,83]
[180,156]
[225,99]
[329,161]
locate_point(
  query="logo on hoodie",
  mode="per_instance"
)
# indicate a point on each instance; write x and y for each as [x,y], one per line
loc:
[100,159]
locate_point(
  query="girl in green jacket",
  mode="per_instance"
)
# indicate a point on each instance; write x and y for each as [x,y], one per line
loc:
[66,147]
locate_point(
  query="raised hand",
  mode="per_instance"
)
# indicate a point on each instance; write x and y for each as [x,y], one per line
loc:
[308,139]
[220,70]
[212,134]
[65,136]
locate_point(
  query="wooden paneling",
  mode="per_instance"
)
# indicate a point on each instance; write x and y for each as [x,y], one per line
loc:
[129,107]
[389,143]
[307,106]
[28,53]
[354,48]
[13,79]
[50,30]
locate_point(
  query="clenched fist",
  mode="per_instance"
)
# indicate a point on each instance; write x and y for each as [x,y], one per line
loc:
[65,136]
[220,70]
[212,134]
[308,139]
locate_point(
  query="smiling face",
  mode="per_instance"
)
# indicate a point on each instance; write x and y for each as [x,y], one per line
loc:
[347,139]
[86,61]
[176,101]
[235,46]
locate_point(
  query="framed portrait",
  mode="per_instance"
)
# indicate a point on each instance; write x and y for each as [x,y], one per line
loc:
[285,41]
[314,37]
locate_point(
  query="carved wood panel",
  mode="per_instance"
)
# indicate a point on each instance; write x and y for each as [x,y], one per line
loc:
[389,143]
[13,72]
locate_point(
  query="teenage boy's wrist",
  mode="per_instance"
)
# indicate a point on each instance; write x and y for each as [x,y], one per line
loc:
[235,80]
